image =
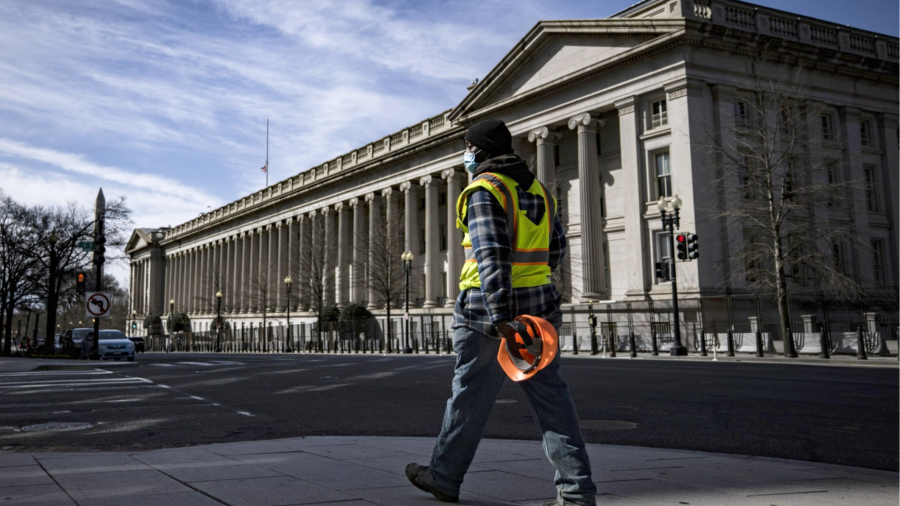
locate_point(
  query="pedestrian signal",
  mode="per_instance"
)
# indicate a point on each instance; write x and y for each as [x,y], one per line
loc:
[681,246]
[80,282]
[662,271]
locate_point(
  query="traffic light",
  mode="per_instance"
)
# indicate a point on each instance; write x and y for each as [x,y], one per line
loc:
[681,246]
[133,325]
[99,250]
[662,271]
[693,248]
[80,282]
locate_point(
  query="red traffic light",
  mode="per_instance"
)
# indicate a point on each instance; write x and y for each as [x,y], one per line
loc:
[81,277]
[681,238]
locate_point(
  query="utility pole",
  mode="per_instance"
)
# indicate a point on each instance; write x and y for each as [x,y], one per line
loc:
[99,250]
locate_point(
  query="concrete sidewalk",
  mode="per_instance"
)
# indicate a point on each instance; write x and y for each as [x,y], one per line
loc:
[357,471]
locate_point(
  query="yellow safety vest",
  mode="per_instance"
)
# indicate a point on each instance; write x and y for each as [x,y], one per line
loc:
[530,255]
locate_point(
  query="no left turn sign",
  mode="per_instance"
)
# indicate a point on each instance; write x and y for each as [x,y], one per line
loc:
[97,304]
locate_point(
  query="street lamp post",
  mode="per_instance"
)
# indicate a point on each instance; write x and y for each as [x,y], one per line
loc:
[133,321]
[592,321]
[670,223]
[287,287]
[171,323]
[407,258]
[49,340]
[218,322]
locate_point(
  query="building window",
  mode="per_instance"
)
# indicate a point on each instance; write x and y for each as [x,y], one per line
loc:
[421,203]
[443,229]
[663,251]
[442,198]
[831,167]
[878,262]
[556,155]
[827,130]
[421,241]
[837,256]
[865,136]
[871,191]
[740,113]
[744,177]
[606,274]
[561,210]
[751,262]
[598,143]
[444,283]
[663,175]
[784,121]
[659,115]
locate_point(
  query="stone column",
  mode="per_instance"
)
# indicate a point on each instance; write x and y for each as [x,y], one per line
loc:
[375,229]
[455,254]
[191,281]
[292,262]
[237,285]
[261,290]
[359,251]
[393,227]
[281,294]
[228,276]
[344,253]
[545,169]
[328,251]
[592,260]
[411,223]
[131,291]
[179,283]
[432,229]
[633,199]
[252,272]
[185,296]
[304,250]
[205,257]
[853,160]
[167,274]
[272,271]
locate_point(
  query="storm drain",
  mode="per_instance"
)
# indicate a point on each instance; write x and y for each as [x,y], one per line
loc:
[608,425]
[57,427]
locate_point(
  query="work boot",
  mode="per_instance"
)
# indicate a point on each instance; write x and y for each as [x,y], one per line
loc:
[559,502]
[420,476]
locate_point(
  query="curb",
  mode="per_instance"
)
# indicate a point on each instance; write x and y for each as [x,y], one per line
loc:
[78,367]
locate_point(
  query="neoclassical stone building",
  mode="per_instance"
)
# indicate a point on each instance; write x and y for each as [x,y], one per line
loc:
[612,113]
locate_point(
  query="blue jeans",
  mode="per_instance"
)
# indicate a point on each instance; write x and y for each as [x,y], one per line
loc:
[476,383]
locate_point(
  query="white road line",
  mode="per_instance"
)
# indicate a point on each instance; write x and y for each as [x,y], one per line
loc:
[54,373]
[83,383]
[204,364]
[198,398]
[164,365]
[244,413]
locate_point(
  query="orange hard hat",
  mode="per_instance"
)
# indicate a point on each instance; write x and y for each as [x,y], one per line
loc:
[535,346]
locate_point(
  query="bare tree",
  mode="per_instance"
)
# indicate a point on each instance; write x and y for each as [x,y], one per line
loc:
[313,264]
[384,277]
[17,263]
[774,190]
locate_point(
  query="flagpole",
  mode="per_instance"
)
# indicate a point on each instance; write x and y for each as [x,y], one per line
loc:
[267,152]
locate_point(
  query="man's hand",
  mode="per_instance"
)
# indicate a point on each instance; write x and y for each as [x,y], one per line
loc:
[505,330]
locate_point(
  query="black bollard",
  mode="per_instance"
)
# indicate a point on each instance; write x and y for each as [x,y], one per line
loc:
[730,336]
[653,344]
[860,345]
[759,345]
[703,343]
[425,342]
[416,343]
[825,352]
[611,339]
[631,338]
[882,346]
[789,348]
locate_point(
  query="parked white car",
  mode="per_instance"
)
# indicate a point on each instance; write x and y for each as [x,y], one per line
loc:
[113,345]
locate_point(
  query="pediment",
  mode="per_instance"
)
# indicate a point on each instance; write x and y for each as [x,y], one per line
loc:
[554,53]
[139,239]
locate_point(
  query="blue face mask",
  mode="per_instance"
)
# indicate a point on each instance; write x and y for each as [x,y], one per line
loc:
[469,162]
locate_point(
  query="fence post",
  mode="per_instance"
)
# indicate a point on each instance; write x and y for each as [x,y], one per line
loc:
[789,351]
[730,337]
[574,332]
[823,343]
[759,345]
[702,341]
[860,344]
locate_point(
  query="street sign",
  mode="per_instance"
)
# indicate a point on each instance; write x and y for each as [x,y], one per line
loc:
[86,246]
[97,304]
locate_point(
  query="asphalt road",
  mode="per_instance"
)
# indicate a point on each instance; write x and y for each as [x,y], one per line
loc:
[838,415]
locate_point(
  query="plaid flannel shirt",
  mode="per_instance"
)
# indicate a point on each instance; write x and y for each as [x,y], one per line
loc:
[496,300]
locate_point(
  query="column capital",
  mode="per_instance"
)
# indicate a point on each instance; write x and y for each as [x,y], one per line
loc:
[353,202]
[339,207]
[369,197]
[449,174]
[682,87]
[311,215]
[325,211]
[278,224]
[626,105]
[406,186]
[425,180]
[583,122]
[387,192]
[540,133]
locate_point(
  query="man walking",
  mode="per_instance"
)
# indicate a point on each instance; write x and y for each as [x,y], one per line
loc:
[513,241]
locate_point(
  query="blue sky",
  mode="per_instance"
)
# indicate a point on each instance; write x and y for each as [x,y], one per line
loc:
[166,101]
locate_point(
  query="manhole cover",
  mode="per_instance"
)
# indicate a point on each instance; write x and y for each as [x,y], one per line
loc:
[608,425]
[57,426]
[505,401]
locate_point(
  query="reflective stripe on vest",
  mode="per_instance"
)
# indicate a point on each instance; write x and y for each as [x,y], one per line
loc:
[530,255]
